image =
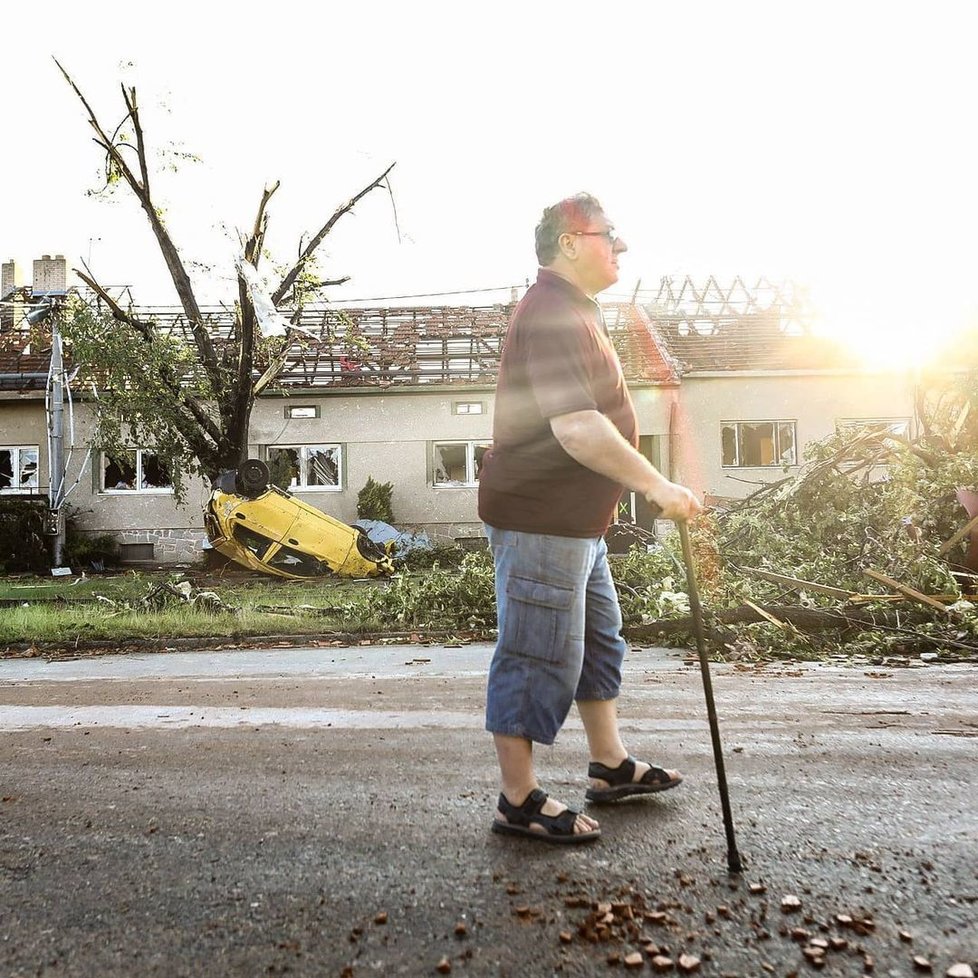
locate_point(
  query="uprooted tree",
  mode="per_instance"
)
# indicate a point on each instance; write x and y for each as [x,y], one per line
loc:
[871,547]
[188,394]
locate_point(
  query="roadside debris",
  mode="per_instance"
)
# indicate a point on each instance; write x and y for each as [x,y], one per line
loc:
[165,594]
[870,548]
[641,928]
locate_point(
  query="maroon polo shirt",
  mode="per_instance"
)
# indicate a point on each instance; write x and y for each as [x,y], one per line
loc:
[557,358]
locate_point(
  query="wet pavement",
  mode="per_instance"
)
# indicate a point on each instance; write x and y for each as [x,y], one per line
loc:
[325,812]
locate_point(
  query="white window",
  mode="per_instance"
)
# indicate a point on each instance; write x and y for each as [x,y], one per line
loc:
[302,411]
[317,467]
[892,426]
[136,470]
[467,407]
[457,463]
[18,468]
[757,443]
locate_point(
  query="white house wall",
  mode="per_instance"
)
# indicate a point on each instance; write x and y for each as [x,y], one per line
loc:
[386,436]
[815,402]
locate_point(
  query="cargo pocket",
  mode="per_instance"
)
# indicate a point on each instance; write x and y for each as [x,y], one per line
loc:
[537,618]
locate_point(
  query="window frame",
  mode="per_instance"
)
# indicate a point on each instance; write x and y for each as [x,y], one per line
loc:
[776,424]
[138,488]
[458,406]
[289,408]
[854,424]
[471,473]
[303,449]
[16,470]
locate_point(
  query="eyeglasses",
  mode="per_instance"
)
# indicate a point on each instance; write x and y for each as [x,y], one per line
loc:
[609,234]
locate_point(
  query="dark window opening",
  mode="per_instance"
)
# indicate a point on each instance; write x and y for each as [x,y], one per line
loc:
[251,540]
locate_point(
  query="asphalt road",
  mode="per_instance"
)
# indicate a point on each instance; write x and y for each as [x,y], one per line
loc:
[326,812]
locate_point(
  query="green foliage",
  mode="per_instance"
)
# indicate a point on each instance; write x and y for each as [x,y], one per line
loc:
[651,584]
[280,470]
[442,598]
[137,406]
[84,551]
[889,510]
[444,555]
[374,501]
[23,545]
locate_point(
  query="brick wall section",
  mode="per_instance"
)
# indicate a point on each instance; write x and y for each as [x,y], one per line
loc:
[50,274]
[8,278]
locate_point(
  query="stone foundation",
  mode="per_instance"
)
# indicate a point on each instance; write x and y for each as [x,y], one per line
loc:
[181,545]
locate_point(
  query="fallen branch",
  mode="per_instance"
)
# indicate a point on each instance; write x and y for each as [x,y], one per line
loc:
[948,545]
[904,589]
[798,584]
[807,619]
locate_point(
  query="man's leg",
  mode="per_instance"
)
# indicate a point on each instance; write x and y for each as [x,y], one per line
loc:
[604,651]
[540,605]
[518,779]
[604,741]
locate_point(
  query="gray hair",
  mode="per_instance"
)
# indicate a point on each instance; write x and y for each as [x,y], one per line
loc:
[569,214]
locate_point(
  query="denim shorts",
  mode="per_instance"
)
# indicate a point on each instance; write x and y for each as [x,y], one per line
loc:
[559,632]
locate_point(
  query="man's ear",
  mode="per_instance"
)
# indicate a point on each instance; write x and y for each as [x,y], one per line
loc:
[567,245]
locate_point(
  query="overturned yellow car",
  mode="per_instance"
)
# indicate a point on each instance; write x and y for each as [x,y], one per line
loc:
[267,529]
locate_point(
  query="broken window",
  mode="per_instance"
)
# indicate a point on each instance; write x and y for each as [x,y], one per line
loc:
[298,563]
[18,468]
[457,463]
[757,443]
[136,470]
[306,466]
[890,426]
[251,540]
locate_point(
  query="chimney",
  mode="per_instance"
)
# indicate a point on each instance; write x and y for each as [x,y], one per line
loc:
[50,274]
[8,278]
[8,282]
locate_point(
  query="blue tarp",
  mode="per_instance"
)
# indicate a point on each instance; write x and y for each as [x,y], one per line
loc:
[406,541]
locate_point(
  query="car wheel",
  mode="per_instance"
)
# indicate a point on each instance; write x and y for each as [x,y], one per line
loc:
[252,478]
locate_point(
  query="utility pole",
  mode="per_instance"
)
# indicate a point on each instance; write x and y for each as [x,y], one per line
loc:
[56,415]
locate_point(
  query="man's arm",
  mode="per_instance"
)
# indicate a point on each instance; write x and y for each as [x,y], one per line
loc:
[591,439]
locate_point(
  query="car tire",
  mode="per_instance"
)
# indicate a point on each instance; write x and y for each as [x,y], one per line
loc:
[252,478]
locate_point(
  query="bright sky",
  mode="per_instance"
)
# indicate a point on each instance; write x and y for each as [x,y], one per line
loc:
[830,142]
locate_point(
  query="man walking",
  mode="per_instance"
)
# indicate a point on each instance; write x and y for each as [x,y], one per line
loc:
[564,446]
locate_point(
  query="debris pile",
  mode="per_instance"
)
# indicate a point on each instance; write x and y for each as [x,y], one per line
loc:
[872,548]
[166,594]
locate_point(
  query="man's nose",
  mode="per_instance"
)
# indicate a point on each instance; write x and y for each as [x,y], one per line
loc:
[620,246]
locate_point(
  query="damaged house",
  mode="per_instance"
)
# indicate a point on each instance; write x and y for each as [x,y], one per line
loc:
[402,395]
[757,385]
[728,382]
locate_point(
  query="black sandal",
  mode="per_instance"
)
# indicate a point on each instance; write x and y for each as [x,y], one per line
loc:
[621,785]
[555,828]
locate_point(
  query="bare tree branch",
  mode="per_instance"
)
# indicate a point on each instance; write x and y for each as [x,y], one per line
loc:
[178,274]
[148,332]
[317,238]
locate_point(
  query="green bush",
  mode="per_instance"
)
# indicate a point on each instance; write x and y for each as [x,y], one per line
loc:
[83,551]
[374,501]
[456,597]
[23,545]
[444,555]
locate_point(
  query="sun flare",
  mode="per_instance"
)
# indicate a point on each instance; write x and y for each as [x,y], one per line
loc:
[888,329]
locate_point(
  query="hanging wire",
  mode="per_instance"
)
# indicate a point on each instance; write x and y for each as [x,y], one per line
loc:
[428,295]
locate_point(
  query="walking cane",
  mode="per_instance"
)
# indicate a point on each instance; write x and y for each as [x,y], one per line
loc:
[733,857]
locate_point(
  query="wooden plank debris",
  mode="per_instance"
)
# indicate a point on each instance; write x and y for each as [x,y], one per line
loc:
[959,536]
[904,589]
[799,585]
[767,616]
